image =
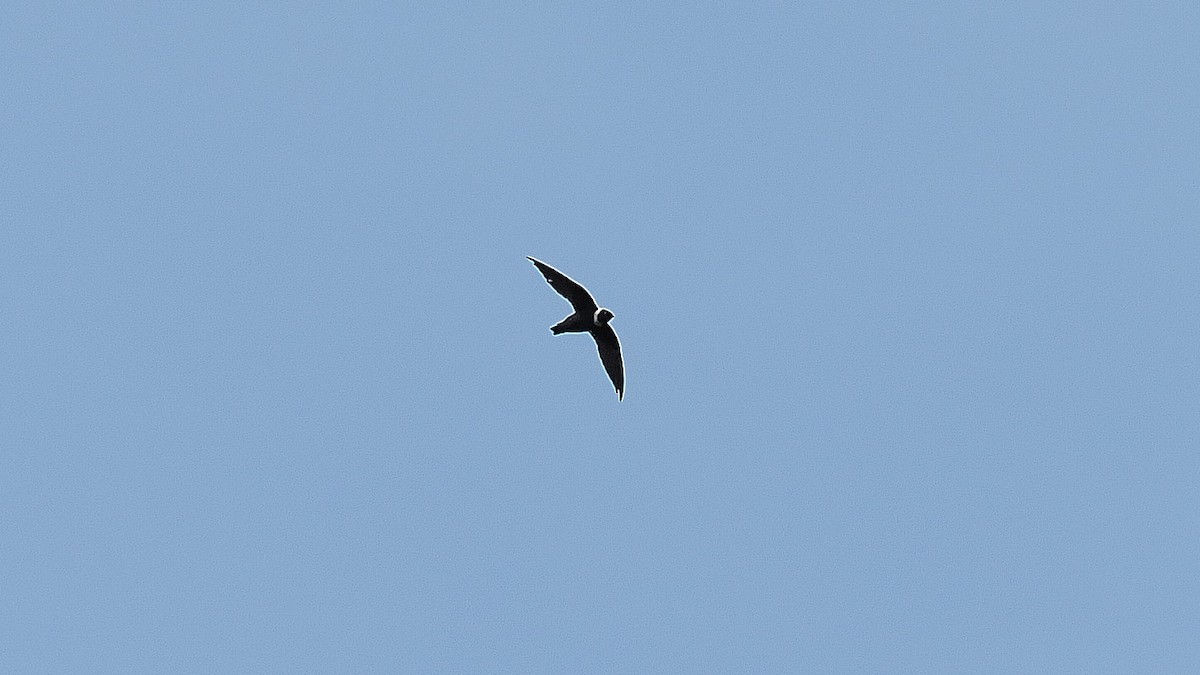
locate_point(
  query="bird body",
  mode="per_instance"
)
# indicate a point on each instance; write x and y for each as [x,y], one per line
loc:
[576,323]
[587,318]
[581,322]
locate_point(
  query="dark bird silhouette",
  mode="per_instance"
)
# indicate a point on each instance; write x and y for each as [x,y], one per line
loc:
[588,318]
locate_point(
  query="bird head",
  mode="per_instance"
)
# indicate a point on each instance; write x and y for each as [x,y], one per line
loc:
[602,316]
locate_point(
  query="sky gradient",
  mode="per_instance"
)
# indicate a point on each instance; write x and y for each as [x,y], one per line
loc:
[909,299]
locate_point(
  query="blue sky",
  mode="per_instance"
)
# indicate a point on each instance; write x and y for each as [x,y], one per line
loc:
[908,297]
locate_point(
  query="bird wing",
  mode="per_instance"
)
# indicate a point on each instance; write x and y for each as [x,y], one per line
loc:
[610,356]
[576,294]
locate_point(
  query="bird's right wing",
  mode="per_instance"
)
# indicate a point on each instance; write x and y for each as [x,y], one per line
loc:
[576,294]
[610,356]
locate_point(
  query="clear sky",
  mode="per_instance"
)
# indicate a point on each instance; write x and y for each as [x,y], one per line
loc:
[909,298]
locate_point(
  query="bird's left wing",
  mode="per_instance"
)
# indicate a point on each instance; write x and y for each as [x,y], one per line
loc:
[567,287]
[610,356]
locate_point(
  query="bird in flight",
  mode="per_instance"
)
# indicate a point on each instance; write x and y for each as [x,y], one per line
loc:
[588,318]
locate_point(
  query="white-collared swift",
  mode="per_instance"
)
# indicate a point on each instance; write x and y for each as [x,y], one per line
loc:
[588,318]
